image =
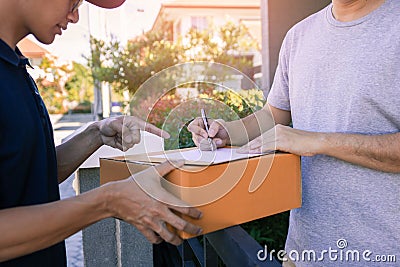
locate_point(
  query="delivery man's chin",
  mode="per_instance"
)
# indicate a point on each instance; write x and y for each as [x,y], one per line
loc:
[47,39]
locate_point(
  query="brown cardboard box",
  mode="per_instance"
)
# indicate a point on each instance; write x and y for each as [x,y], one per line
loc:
[251,188]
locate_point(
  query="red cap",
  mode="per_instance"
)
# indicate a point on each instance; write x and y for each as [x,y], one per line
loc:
[107,3]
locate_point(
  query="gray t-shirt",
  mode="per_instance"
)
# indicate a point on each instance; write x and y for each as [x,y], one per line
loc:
[343,77]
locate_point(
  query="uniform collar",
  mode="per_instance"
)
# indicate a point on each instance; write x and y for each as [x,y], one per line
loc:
[13,57]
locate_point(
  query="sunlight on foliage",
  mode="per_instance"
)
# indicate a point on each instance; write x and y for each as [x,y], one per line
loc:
[127,66]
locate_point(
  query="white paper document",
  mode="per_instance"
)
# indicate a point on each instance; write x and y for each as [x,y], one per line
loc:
[199,157]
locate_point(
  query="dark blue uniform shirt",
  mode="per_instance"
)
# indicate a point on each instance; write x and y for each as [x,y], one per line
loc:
[28,165]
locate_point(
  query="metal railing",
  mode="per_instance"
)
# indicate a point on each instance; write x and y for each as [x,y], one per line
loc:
[228,247]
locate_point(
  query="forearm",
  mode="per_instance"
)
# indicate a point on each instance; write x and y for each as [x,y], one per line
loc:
[28,229]
[250,127]
[379,152]
[71,154]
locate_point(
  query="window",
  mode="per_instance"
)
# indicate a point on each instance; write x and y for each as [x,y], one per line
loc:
[199,23]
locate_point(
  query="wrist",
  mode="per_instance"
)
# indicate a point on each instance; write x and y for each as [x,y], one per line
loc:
[93,130]
[106,195]
[237,133]
[322,146]
[93,204]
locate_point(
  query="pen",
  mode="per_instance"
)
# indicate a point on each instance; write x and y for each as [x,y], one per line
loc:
[205,122]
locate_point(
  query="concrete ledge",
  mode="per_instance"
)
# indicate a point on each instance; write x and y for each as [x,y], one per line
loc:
[99,240]
[135,249]
[111,242]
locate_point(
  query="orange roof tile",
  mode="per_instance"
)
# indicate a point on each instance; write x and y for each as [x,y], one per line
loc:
[30,49]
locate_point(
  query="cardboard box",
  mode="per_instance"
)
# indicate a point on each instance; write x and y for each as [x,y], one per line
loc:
[228,193]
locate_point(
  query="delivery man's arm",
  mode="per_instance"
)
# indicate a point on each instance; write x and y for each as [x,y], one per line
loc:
[119,132]
[32,228]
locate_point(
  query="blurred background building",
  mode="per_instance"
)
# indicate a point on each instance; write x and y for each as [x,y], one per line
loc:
[267,21]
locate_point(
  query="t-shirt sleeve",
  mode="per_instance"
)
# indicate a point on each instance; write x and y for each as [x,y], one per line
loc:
[279,94]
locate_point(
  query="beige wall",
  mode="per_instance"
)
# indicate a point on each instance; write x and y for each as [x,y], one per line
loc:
[215,16]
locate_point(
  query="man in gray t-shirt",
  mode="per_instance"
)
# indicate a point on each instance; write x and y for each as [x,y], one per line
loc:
[338,82]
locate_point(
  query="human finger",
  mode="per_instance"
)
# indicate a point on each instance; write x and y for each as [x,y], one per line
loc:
[197,127]
[130,137]
[167,235]
[214,128]
[207,145]
[173,203]
[264,143]
[254,145]
[182,225]
[111,126]
[157,225]
[136,123]
[219,142]
[119,146]
[259,146]
[150,235]
[148,127]
[200,141]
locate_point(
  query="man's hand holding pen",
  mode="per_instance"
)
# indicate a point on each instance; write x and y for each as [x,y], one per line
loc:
[208,134]
[210,144]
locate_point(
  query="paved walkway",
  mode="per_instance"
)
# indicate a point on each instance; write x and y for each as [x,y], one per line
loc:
[64,126]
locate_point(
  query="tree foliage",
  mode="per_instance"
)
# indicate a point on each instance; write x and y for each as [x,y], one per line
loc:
[63,85]
[224,45]
[80,85]
[127,67]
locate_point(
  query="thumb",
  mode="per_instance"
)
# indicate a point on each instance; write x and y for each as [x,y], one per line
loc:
[215,127]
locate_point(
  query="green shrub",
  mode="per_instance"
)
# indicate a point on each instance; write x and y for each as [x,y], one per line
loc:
[270,231]
[173,114]
[83,107]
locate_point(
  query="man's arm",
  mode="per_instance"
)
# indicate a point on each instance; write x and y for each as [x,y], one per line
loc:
[71,154]
[246,129]
[379,152]
[119,132]
[241,131]
[31,228]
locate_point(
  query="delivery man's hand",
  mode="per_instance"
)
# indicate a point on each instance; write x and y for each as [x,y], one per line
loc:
[217,132]
[123,132]
[141,201]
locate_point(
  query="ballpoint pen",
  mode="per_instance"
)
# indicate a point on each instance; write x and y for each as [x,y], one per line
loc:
[205,122]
